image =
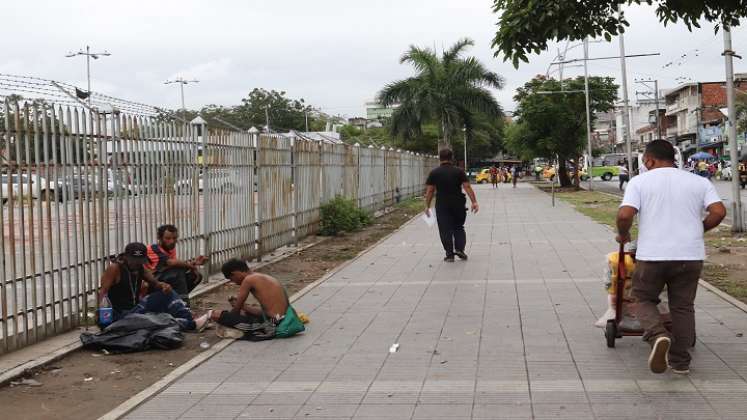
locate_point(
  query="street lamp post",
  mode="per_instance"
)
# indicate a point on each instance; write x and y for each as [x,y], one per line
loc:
[590,161]
[737,225]
[181,81]
[89,55]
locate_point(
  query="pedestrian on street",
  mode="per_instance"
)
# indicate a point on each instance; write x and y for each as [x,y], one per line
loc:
[447,183]
[669,203]
[623,175]
[514,174]
[494,176]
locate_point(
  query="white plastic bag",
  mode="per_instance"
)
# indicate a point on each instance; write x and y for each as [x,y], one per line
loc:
[429,220]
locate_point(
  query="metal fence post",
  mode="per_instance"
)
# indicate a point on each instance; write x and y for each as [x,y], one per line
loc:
[254,133]
[202,131]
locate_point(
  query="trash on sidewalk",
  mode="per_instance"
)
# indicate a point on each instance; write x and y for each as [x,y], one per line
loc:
[204,345]
[26,382]
[88,379]
[394,347]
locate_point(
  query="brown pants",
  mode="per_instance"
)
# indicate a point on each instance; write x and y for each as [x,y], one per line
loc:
[681,279]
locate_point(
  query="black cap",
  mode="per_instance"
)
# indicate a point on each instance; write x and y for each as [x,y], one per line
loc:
[136,250]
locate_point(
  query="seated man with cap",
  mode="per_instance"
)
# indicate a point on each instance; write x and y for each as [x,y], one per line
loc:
[121,283]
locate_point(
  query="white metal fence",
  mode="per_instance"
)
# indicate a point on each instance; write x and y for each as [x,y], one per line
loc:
[77,185]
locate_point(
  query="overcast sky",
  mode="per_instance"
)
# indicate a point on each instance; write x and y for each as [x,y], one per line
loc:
[336,54]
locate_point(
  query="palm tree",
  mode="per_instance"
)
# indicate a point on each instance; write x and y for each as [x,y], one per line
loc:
[449,91]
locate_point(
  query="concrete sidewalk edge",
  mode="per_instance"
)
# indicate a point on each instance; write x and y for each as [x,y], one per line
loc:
[145,395]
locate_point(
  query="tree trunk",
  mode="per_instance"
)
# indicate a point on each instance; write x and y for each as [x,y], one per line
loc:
[577,175]
[563,178]
[444,142]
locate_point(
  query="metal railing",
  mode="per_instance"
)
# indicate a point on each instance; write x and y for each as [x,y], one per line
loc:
[77,185]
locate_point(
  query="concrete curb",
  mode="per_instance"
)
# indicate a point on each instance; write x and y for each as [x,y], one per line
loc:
[143,396]
[723,295]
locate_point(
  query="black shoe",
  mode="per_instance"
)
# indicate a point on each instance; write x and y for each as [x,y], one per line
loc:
[449,258]
[461,255]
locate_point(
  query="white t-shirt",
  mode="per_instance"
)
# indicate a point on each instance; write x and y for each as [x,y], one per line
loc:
[670,204]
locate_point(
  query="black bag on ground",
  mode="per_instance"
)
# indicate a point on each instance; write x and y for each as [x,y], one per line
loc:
[136,332]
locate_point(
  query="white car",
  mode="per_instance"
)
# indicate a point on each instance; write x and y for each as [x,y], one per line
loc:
[18,184]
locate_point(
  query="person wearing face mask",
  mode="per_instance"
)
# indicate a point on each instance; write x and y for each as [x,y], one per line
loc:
[669,203]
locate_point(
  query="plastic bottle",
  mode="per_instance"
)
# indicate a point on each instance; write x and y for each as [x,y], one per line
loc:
[106,313]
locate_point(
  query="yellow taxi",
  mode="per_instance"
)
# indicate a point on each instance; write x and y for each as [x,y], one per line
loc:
[483,177]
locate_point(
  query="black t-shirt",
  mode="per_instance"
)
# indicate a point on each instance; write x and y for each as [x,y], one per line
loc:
[448,181]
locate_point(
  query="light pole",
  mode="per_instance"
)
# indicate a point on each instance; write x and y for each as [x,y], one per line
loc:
[89,55]
[737,225]
[181,82]
[626,110]
[464,129]
[590,162]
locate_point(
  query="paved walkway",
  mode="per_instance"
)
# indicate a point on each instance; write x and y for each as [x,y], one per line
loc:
[508,334]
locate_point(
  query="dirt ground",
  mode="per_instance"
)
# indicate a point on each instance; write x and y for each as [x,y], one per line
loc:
[87,384]
[726,265]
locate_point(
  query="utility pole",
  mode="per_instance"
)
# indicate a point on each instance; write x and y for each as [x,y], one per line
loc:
[465,150]
[307,120]
[737,223]
[267,118]
[89,55]
[656,101]
[590,162]
[626,113]
[181,83]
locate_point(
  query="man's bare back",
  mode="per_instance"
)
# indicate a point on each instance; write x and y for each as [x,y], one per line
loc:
[267,290]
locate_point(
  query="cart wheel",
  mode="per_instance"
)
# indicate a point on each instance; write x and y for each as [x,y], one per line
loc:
[610,332]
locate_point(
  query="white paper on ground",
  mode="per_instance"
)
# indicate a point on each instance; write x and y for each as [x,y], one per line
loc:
[429,220]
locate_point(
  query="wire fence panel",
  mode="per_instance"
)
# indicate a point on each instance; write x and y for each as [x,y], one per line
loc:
[275,192]
[229,195]
[393,178]
[307,186]
[76,185]
[351,172]
[334,158]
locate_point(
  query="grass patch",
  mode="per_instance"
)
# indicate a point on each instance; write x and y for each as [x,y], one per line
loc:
[719,276]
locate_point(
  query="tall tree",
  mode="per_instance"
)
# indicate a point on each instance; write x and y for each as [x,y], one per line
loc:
[551,123]
[525,26]
[449,91]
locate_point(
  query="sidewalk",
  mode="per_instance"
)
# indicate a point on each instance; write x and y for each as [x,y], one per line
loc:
[508,334]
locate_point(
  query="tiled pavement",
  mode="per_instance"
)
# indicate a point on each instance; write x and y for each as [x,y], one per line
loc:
[508,334]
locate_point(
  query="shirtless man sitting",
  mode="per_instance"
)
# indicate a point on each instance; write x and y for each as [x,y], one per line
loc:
[274,317]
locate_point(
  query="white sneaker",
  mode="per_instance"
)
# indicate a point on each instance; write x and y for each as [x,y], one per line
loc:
[658,358]
[680,371]
[202,322]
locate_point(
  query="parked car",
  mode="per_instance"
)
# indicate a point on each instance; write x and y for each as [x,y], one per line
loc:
[223,182]
[19,185]
[483,177]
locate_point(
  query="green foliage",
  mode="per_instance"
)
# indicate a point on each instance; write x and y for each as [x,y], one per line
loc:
[741,105]
[285,113]
[525,26]
[342,215]
[550,123]
[448,91]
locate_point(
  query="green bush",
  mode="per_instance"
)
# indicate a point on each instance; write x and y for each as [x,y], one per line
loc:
[342,215]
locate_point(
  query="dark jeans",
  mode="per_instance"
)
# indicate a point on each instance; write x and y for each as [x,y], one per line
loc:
[159,302]
[681,279]
[451,217]
[623,180]
[181,280]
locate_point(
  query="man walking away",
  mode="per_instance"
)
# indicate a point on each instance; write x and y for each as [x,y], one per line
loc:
[514,174]
[451,211]
[494,176]
[669,203]
[623,175]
